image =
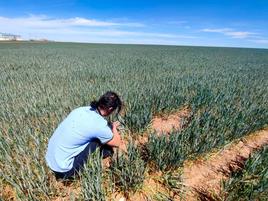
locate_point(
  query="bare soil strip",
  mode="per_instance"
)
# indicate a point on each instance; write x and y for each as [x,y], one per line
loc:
[203,177]
[7,193]
[151,187]
[167,123]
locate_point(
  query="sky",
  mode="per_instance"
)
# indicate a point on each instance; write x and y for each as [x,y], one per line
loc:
[228,23]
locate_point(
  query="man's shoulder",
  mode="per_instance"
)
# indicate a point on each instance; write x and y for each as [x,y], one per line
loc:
[90,114]
[80,110]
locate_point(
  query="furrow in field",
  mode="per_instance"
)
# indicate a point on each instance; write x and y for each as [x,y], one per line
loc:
[202,177]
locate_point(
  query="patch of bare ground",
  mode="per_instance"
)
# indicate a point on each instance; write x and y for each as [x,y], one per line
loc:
[151,187]
[7,193]
[167,123]
[164,124]
[64,190]
[67,191]
[203,177]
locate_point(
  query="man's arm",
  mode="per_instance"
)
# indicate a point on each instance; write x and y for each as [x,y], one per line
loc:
[116,140]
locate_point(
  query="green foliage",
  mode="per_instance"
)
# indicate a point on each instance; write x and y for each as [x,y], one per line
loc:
[226,89]
[127,170]
[217,118]
[251,183]
[138,120]
[22,168]
[168,151]
[161,197]
[91,181]
[173,181]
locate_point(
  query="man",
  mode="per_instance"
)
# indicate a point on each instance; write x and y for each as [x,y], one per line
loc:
[80,133]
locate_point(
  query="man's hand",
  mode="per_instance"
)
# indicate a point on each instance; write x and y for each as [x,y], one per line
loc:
[116,124]
[123,146]
[116,141]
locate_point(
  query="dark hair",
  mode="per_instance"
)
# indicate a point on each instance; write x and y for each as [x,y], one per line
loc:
[108,100]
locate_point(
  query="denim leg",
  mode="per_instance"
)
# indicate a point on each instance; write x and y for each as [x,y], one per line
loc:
[82,158]
[79,161]
[106,151]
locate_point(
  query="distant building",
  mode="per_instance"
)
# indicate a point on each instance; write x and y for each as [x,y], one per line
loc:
[8,37]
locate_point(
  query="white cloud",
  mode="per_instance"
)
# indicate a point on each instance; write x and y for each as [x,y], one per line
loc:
[42,21]
[74,29]
[144,34]
[260,41]
[217,30]
[240,34]
[231,32]
[112,33]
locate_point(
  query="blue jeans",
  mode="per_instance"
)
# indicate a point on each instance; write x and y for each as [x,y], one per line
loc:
[82,158]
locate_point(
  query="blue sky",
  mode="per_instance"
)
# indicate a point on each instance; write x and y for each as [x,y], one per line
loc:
[232,23]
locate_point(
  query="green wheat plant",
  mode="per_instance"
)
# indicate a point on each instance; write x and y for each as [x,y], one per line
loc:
[92,179]
[250,183]
[168,151]
[127,170]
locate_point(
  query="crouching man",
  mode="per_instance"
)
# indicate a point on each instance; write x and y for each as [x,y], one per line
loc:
[80,133]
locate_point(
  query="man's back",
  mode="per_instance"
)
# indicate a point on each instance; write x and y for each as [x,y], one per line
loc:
[73,134]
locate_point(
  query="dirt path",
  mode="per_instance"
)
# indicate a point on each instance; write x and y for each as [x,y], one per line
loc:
[202,178]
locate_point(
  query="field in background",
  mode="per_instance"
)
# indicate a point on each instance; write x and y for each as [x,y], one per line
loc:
[226,90]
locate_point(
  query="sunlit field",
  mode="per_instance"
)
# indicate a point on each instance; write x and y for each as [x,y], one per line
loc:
[224,89]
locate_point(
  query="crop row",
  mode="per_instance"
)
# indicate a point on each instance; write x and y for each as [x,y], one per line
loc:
[225,89]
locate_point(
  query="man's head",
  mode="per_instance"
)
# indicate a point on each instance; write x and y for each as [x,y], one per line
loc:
[107,103]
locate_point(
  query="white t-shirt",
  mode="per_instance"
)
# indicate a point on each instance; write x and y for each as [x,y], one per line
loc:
[72,136]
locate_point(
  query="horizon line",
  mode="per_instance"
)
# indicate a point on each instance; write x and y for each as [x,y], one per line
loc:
[110,43]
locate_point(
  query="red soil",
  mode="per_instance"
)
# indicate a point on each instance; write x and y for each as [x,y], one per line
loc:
[67,191]
[203,177]
[165,124]
[168,123]
[8,193]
